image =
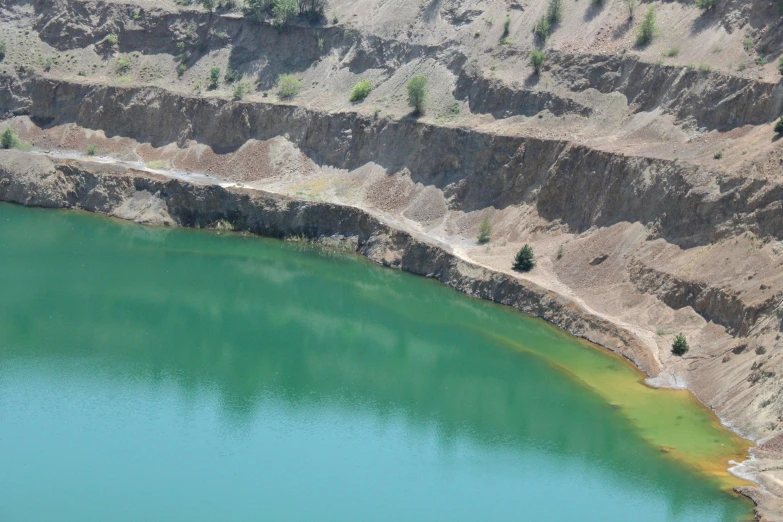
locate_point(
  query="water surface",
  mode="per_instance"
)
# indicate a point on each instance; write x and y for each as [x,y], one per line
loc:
[179,375]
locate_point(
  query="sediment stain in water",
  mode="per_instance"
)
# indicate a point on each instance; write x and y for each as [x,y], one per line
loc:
[163,373]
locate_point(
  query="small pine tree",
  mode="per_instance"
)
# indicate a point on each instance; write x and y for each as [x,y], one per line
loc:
[779,126]
[680,345]
[417,93]
[524,260]
[214,77]
[485,230]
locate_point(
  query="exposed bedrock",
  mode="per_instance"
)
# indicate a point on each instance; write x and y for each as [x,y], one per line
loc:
[574,184]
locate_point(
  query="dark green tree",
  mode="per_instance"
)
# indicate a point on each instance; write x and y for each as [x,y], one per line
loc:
[680,345]
[524,260]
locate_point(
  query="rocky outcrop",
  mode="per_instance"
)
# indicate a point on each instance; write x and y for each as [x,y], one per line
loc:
[710,99]
[574,184]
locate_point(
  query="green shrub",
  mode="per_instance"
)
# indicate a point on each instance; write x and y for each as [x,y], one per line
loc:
[313,10]
[554,11]
[417,93]
[747,44]
[181,69]
[779,126]
[718,155]
[123,64]
[112,39]
[524,261]
[761,60]
[9,139]
[671,53]
[209,5]
[543,28]
[240,90]
[284,11]
[288,86]
[214,78]
[92,149]
[231,75]
[537,59]
[680,345]
[485,230]
[780,65]
[705,4]
[506,27]
[3,49]
[255,9]
[647,28]
[360,91]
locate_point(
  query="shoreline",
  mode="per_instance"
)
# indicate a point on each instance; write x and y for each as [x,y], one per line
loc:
[153,198]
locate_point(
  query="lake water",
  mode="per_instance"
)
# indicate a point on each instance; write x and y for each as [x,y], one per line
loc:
[180,375]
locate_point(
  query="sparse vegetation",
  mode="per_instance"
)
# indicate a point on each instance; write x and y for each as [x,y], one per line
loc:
[240,90]
[779,126]
[3,49]
[631,5]
[284,12]
[524,261]
[112,39]
[680,345]
[214,78]
[485,230]
[747,44]
[703,67]
[9,139]
[506,26]
[123,64]
[671,53]
[231,75]
[92,149]
[288,86]
[417,93]
[537,59]
[647,28]
[542,29]
[705,4]
[554,11]
[360,91]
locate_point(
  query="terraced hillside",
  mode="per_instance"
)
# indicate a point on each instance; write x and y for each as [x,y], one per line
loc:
[647,178]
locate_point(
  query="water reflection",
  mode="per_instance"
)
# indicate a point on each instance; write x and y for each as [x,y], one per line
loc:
[262,325]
